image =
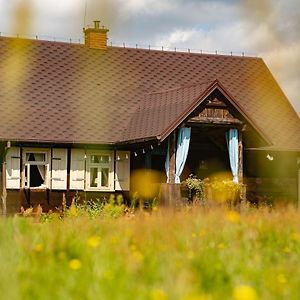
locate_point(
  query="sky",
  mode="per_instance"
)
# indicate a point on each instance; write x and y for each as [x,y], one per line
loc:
[266,28]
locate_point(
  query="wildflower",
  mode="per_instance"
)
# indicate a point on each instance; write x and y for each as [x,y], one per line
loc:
[75,264]
[158,294]
[221,246]
[73,211]
[244,292]
[93,241]
[286,250]
[38,247]
[233,217]
[281,278]
[295,237]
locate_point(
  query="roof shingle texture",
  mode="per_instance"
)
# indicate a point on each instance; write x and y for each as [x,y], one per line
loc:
[58,92]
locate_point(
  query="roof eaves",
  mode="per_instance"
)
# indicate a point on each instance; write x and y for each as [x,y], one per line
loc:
[244,114]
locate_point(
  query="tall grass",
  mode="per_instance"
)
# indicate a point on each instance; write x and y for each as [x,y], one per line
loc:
[194,254]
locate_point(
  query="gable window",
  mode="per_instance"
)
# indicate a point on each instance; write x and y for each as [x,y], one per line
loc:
[100,170]
[36,168]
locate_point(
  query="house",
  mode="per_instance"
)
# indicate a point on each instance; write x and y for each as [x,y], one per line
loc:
[82,118]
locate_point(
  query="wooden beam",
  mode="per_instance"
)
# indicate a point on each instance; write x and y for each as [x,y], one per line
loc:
[172,165]
[208,120]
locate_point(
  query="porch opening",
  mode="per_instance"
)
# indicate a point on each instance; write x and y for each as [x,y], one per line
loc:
[208,154]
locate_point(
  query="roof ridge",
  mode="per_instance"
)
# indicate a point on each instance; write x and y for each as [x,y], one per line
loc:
[71,42]
[208,82]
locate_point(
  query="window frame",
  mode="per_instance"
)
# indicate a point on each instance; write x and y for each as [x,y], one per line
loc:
[102,165]
[26,165]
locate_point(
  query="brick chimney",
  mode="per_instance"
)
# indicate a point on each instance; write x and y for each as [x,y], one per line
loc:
[96,38]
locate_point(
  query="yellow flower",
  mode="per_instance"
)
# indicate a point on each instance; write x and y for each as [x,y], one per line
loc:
[73,211]
[281,279]
[295,237]
[221,246]
[93,241]
[286,250]
[244,292]
[158,294]
[38,248]
[75,264]
[233,217]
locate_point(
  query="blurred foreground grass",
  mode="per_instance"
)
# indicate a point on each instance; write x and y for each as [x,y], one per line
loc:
[195,254]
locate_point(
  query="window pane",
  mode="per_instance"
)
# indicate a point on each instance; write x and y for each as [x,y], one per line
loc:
[37,176]
[99,159]
[104,177]
[93,177]
[40,157]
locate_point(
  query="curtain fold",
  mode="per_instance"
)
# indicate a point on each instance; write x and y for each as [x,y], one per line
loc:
[233,150]
[183,143]
[41,168]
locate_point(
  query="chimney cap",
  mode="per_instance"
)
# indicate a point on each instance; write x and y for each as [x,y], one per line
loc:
[96,24]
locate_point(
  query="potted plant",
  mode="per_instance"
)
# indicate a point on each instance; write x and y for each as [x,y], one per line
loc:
[196,189]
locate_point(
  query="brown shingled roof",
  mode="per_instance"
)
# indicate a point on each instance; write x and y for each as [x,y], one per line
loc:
[58,92]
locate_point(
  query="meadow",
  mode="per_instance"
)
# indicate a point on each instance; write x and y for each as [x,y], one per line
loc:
[191,254]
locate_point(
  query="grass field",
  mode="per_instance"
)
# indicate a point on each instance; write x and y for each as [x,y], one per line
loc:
[192,254]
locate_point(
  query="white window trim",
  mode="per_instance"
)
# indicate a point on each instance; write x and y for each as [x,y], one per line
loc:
[26,164]
[109,165]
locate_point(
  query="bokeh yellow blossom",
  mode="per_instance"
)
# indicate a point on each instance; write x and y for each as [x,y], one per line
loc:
[75,264]
[93,241]
[158,294]
[38,247]
[281,279]
[244,292]
[233,217]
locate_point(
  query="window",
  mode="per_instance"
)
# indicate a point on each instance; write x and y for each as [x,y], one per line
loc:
[36,168]
[100,171]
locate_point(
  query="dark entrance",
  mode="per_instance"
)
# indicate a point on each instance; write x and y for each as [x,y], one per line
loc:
[208,154]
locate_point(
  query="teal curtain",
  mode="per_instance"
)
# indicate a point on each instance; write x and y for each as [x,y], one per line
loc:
[167,162]
[233,150]
[183,143]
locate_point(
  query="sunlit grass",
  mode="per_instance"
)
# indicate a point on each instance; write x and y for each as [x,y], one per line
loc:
[192,254]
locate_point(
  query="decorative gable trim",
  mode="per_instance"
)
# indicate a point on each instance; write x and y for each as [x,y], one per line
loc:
[216,85]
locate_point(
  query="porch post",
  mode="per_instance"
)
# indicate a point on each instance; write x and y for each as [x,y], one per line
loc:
[172,165]
[240,165]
